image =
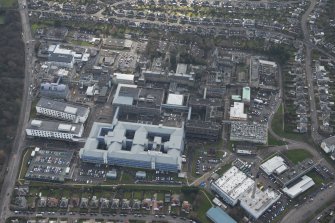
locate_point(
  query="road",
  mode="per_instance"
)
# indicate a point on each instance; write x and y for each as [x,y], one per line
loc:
[76,216]
[305,211]
[14,158]
[309,74]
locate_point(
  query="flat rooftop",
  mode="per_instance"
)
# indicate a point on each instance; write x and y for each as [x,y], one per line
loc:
[237,111]
[194,101]
[296,171]
[251,132]
[217,215]
[127,94]
[175,99]
[272,164]
[55,126]
[234,182]
[62,107]
[256,202]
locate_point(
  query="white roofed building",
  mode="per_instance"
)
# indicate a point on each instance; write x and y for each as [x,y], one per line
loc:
[54,130]
[301,186]
[255,201]
[175,99]
[274,165]
[119,78]
[235,186]
[237,112]
[231,185]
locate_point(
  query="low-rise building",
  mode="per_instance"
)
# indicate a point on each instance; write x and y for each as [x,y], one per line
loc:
[62,110]
[119,78]
[54,130]
[274,165]
[237,112]
[246,94]
[303,184]
[54,90]
[231,185]
[217,215]
[328,145]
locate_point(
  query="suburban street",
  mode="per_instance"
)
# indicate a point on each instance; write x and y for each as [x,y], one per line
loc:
[307,210]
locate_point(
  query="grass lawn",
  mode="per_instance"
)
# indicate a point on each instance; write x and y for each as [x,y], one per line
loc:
[316,177]
[202,207]
[2,19]
[274,142]
[223,169]
[7,3]
[137,195]
[297,155]
[81,43]
[126,178]
[24,163]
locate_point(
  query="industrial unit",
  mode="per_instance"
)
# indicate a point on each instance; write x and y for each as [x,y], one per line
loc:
[299,187]
[236,186]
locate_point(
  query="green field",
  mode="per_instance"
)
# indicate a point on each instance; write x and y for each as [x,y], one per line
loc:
[316,177]
[297,155]
[2,19]
[7,3]
[272,141]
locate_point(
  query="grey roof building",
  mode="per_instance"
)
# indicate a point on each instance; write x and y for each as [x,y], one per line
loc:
[62,110]
[61,60]
[133,100]
[135,145]
[54,90]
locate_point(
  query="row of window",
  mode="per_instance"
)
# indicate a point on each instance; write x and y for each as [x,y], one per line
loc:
[48,134]
[57,114]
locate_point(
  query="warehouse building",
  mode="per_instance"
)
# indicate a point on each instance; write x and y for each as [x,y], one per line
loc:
[274,165]
[235,186]
[300,186]
[135,145]
[255,201]
[61,110]
[231,185]
[54,130]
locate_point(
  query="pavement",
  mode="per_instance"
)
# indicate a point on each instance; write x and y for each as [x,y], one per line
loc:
[15,156]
